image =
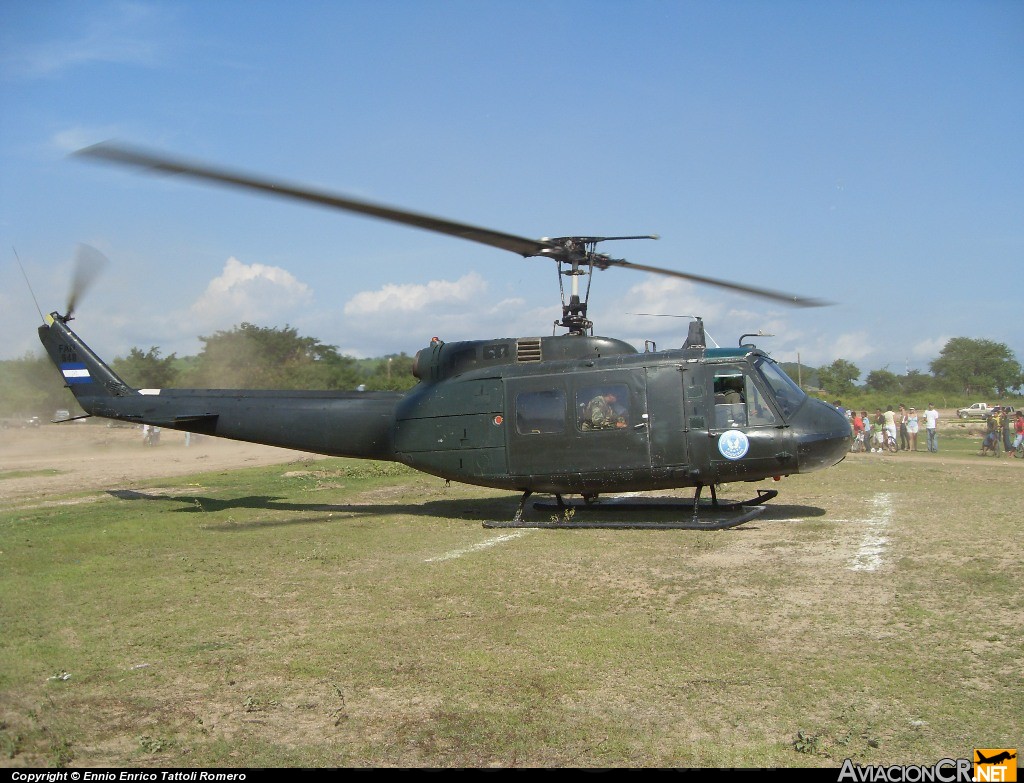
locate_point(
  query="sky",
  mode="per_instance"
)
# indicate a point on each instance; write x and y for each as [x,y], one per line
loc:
[867,153]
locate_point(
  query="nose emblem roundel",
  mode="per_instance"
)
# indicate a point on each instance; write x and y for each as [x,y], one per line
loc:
[733,444]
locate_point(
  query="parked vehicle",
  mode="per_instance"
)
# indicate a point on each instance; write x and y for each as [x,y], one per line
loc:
[979,410]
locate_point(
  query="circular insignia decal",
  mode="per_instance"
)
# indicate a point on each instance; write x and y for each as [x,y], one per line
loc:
[733,444]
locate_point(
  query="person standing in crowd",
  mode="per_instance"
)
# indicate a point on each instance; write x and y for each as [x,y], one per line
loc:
[931,425]
[901,419]
[913,425]
[1018,428]
[996,428]
[858,428]
[1007,430]
[869,444]
[889,417]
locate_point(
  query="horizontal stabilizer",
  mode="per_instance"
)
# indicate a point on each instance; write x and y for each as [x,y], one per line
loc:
[71,418]
[196,422]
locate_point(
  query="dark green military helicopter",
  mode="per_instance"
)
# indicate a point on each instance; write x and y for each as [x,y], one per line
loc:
[569,414]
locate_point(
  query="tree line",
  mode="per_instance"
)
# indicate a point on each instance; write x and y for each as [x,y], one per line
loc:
[256,357]
[965,368]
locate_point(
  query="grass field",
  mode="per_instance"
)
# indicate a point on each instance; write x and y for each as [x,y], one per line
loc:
[356,614]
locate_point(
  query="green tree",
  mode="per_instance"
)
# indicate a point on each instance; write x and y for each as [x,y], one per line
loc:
[805,376]
[255,357]
[976,367]
[391,373]
[915,382]
[882,381]
[838,377]
[146,370]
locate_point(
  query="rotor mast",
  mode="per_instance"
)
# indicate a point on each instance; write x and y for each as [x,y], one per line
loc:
[577,256]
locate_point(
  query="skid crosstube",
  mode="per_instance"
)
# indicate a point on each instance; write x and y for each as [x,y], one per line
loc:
[702,516]
[706,522]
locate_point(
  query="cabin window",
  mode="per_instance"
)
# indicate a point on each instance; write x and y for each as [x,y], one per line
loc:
[730,398]
[540,412]
[604,407]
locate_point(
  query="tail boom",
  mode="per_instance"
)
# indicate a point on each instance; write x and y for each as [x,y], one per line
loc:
[345,424]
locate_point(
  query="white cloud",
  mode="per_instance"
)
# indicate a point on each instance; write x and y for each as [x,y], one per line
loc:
[853,346]
[674,303]
[653,295]
[412,297]
[669,296]
[817,348]
[125,33]
[260,294]
[931,348]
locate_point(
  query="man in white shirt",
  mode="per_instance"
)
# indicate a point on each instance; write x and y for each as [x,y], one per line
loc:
[931,421]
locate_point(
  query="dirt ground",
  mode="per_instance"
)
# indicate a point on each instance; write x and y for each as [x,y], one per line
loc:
[63,457]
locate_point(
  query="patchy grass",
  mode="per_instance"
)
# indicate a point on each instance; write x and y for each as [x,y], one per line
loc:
[357,614]
[15,474]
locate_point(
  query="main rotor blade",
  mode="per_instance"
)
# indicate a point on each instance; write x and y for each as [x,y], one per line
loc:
[763,293]
[131,156]
[564,248]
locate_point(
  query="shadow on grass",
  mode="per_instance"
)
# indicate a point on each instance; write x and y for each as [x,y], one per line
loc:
[473,509]
[467,509]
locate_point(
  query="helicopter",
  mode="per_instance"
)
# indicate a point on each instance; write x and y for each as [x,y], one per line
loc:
[563,415]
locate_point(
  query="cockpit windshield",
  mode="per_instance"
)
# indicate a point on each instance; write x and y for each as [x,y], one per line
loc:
[788,395]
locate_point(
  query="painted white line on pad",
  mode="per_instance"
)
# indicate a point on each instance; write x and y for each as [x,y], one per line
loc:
[476,547]
[875,541]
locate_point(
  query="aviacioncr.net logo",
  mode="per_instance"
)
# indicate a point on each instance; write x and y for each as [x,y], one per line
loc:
[944,771]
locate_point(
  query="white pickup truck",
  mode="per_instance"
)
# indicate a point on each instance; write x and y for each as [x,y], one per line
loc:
[978,410]
[981,410]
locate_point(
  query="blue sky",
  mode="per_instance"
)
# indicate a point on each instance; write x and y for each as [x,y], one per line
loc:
[868,153]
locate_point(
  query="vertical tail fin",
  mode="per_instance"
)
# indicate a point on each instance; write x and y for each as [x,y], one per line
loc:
[83,371]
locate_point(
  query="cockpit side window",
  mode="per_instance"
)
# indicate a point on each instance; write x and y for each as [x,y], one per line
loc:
[759,412]
[788,395]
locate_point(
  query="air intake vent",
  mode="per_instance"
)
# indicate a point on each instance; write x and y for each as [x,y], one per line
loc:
[528,349]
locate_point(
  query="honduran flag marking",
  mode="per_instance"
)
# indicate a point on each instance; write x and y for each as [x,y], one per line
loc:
[75,372]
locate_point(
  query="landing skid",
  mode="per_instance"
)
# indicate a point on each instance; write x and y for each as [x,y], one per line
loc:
[703,516]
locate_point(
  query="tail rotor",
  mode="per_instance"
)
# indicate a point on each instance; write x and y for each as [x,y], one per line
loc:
[89,262]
